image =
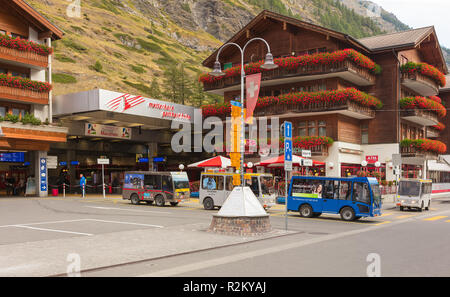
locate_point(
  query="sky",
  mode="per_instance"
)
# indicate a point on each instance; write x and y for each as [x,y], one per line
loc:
[422,13]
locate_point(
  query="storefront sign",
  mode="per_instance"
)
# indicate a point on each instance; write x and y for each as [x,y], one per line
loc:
[52,162]
[103,161]
[12,157]
[107,131]
[372,159]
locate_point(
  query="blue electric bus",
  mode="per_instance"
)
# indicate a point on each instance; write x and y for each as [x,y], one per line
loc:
[352,198]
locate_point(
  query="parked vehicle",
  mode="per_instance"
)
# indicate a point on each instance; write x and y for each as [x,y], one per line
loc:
[414,193]
[352,198]
[158,187]
[216,187]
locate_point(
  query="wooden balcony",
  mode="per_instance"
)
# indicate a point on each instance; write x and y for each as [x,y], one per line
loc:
[21,95]
[317,151]
[421,117]
[346,70]
[349,108]
[432,132]
[17,136]
[413,152]
[23,58]
[420,84]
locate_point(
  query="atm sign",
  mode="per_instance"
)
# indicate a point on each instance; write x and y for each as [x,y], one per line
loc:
[371,159]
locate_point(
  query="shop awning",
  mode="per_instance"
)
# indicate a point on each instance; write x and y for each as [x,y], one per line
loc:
[279,161]
[434,165]
[218,162]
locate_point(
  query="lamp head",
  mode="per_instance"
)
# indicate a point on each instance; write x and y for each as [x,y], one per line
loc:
[268,63]
[217,71]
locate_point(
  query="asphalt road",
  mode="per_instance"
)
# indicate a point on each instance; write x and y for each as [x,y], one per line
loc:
[399,243]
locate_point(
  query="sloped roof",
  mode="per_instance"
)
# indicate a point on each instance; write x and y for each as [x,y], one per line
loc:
[398,39]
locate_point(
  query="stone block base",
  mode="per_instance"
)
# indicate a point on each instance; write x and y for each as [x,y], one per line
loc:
[242,226]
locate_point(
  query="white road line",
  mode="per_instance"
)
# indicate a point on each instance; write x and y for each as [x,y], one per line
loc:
[44,223]
[127,223]
[52,230]
[125,209]
[246,255]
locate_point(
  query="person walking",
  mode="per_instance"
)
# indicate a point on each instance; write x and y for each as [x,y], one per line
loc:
[82,185]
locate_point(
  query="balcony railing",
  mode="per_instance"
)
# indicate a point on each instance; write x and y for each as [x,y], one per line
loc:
[410,151]
[345,69]
[421,117]
[23,95]
[348,108]
[422,148]
[23,57]
[420,84]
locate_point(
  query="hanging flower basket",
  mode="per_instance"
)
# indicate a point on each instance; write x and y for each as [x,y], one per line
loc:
[24,45]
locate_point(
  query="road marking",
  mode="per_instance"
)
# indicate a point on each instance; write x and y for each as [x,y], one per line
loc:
[382,223]
[387,214]
[44,223]
[51,230]
[435,218]
[406,216]
[127,223]
[125,209]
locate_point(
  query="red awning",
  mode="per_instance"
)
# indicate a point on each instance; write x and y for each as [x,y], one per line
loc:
[279,161]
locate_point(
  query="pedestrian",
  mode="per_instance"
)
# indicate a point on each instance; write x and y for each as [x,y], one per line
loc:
[82,185]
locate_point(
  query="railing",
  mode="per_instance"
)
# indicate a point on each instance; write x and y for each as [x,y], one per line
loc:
[307,70]
[24,57]
[411,151]
[417,77]
[316,107]
[426,114]
[24,95]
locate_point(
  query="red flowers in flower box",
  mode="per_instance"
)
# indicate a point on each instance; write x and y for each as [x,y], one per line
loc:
[24,45]
[425,145]
[24,83]
[426,70]
[300,61]
[423,103]
[304,99]
[439,127]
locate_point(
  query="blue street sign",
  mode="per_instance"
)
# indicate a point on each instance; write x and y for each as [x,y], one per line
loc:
[287,130]
[288,150]
[43,173]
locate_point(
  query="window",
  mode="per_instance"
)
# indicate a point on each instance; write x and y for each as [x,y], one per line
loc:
[229,183]
[253,184]
[302,129]
[18,112]
[14,35]
[322,50]
[330,189]
[404,60]
[361,193]
[2,111]
[277,93]
[212,182]
[312,128]
[167,184]
[2,32]
[322,128]
[19,74]
[364,133]
[344,190]
[152,182]
[312,51]
[4,71]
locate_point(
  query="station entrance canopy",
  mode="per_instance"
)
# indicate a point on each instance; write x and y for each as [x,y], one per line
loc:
[120,109]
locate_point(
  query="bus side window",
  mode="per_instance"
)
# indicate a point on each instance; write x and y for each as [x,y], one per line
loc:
[328,189]
[344,190]
[229,183]
[361,192]
[152,182]
[167,184]
[209,183]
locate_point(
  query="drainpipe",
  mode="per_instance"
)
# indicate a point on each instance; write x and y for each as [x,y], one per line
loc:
[49,80]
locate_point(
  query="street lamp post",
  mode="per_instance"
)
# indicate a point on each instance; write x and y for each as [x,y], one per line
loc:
[217,71]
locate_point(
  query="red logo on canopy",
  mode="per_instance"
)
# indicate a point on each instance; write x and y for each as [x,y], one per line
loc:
[124,102]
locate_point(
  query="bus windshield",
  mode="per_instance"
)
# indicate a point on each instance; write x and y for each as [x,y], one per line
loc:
[409,188]
[376,194]
[180,181]
[267,185]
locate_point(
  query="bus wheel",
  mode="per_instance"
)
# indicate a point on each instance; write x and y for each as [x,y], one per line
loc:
[347,214]
[159,200]
[306,211]
[134,199]
[174,203]
[428,207]
[401,208]
[208,203]
[420,209]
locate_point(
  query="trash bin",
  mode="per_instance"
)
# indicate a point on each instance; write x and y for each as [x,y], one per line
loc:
[55,192]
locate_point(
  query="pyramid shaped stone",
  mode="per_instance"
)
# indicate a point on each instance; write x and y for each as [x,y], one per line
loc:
[242,202]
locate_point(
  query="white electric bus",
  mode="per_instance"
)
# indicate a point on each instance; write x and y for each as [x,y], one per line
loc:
[414,193]
[215,187]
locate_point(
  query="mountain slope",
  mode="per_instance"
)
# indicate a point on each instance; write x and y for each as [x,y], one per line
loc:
[131,45]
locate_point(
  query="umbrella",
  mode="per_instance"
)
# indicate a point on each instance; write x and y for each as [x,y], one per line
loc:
[218,161]
[279,161]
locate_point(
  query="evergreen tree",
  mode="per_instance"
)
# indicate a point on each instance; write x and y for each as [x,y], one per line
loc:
[155,91]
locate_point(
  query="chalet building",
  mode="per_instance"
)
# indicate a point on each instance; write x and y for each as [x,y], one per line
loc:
[25,95]
[350,100]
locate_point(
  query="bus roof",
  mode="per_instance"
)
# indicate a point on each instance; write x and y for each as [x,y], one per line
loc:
[150,172]
[417,179]
[371,180]
[231,173]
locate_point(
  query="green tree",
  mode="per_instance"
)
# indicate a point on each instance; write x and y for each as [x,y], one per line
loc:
[155,91]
